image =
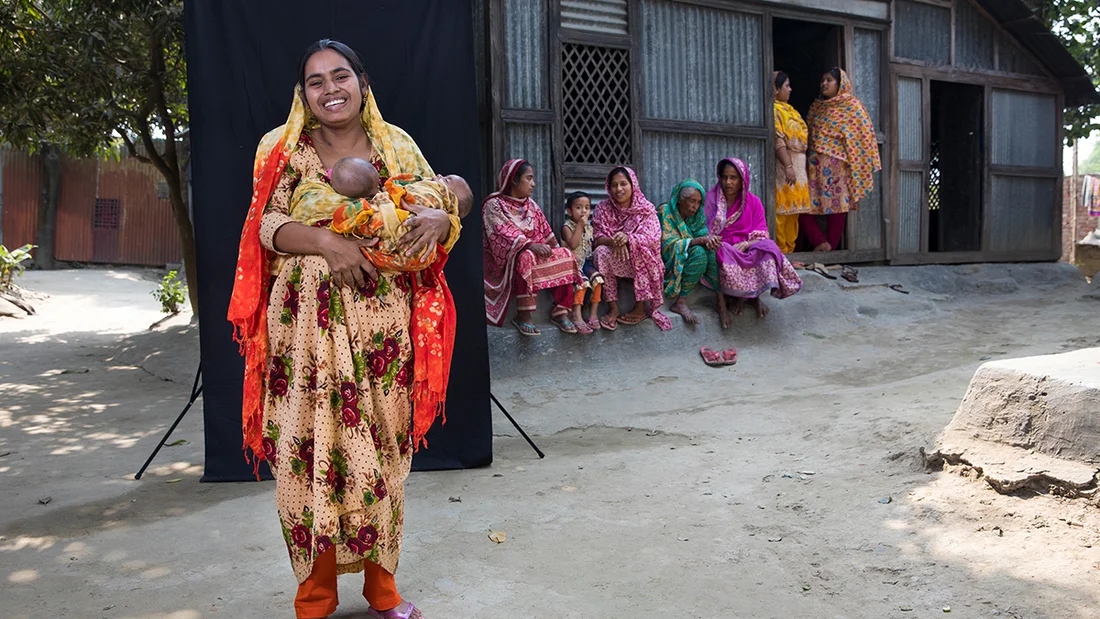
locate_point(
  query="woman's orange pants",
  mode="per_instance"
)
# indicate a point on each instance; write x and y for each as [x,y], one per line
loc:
[317,595]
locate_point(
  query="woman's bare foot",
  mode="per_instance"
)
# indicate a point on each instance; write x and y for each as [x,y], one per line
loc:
[681,308]
[823,247]
[610,320]
[578,317]
[738,306]
[636,313]
[724,317]
[761,309]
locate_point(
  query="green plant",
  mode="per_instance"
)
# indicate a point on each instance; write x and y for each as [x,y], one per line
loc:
[171,293]
[11,263]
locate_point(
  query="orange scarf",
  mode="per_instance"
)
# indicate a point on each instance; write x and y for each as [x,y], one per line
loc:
[433,312]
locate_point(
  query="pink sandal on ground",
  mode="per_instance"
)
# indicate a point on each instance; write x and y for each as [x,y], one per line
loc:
[594,323]
[710,357]
[582,327]
[729,356]
[412,613]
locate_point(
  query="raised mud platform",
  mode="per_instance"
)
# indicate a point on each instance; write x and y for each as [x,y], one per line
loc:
[1031,423]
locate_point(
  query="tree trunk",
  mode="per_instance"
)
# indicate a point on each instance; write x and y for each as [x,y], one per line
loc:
[47,205]
[177,194]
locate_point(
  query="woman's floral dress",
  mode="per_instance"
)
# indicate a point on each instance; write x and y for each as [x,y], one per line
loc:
[338,410]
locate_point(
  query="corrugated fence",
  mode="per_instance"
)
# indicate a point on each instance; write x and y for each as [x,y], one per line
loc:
[132,224]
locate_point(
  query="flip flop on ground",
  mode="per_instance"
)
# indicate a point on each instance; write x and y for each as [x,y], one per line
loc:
[631,319]
[526,328]
[564,325]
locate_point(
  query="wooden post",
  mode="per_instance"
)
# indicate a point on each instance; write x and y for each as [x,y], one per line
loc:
[1073,207]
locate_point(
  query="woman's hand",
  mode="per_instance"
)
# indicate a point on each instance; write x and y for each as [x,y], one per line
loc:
[620,239]
[742,246]
[792,180]
[622,252]
[346,262]
[714,242]
[426,227]
[541,250]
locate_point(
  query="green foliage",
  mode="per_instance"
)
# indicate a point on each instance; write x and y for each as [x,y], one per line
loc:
[1092,164]
[171,293]
[84,74]
[1077,23]
[11,263]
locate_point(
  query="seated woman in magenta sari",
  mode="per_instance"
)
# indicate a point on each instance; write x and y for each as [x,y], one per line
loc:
[749,262]
[628,246]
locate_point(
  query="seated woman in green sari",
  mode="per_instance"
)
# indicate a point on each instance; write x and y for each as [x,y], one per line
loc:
[687,247]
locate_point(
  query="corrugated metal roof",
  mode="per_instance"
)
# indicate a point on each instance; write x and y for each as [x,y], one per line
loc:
[1032,33]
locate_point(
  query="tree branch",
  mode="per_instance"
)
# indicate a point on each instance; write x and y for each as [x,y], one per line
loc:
[131,147]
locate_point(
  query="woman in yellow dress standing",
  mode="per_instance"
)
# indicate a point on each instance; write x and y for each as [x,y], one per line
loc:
[792,188]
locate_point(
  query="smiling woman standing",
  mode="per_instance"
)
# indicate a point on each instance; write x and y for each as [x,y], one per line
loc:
[329,369]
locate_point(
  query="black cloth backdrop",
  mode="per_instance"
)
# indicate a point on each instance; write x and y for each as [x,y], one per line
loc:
[242,60]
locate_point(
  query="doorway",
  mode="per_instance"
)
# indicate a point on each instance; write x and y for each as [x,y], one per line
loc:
[804,51]
[955,167]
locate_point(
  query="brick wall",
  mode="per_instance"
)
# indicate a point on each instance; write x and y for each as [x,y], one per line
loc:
[1085,224]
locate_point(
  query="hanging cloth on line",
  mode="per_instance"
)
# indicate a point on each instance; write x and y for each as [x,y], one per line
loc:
[1090,194]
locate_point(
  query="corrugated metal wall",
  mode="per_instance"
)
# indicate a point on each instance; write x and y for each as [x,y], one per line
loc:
[672,157]
[690,54]
[867,80]
[1013,60]
[532,142]
[1025,131]
[22,192]
[910,204]
[922,32]
[974,38]
[147,234]
[525,49]
[910,128]
[598,16]
[869,218]
[76,207]
[1021,215]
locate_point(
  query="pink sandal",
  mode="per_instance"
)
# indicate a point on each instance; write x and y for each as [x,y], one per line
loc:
[582,327]
[411,613]
[594,323]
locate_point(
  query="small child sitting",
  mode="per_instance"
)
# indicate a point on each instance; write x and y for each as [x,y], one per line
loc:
[377,214]
[577,236]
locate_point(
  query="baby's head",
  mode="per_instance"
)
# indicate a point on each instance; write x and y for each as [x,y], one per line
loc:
[462,191]
[578,206]
[354,178]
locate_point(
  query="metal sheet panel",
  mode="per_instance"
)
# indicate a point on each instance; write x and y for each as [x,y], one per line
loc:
[974,38]
[672,157]
[1022,214]
[701,64]
[600,16]
[532,142]
[910,203]
[148,234]
[22,190]
[1013,60]
[595,189]
[526,55]
[867,80]
[73,241]
[910,128]
[922,32]
[869,218]
[1025,131]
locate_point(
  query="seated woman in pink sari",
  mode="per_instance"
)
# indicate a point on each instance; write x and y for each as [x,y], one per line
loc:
[522,255]
[749,262]
[628,246]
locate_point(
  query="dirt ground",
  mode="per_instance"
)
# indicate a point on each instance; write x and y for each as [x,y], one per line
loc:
[788,486]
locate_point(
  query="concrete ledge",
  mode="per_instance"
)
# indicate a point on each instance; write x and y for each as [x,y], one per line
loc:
[1030,423]
[822,309]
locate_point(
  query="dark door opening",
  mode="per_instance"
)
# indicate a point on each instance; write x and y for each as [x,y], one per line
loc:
[804,51]
[955,168]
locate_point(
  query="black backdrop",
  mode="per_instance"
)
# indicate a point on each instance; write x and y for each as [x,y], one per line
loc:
[242,60]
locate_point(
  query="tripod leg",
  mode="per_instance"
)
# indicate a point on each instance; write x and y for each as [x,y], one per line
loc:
[514,423]
[196,391]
